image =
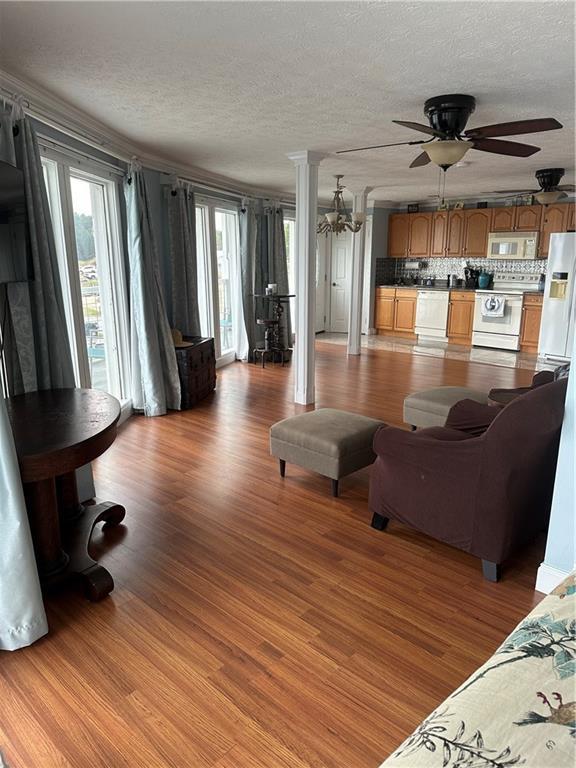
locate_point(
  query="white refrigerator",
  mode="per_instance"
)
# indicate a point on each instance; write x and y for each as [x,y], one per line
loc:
[559,307]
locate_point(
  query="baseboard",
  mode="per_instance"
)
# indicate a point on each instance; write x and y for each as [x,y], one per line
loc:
[548,578]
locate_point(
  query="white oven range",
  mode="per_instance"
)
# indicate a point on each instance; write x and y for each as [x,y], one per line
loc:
[498,311]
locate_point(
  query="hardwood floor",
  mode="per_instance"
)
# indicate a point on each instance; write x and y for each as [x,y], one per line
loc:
[257,622]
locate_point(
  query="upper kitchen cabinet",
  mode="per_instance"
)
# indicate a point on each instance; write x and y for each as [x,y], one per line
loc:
[571,217]
[477,223]
[439,233]
[554,219]
[398,235]
[419,239]
[516,218]
[527,218]
[502,219]
[455,233]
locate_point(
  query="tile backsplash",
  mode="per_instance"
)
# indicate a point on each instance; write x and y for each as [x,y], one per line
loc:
[388,270]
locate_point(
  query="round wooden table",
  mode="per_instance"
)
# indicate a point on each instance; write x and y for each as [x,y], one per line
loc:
[55,432]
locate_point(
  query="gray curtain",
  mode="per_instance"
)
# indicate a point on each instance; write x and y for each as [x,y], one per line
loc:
[37,357]
[263,261]
[37,348]
[184,314]
[22,617]
[155,383]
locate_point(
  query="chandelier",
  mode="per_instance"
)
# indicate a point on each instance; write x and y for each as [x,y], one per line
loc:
[339,220]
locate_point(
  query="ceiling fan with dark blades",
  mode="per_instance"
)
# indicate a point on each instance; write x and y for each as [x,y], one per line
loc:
[447,116]
[550,190]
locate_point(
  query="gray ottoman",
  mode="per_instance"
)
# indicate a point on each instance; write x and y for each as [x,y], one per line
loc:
[330,442]
[430,407]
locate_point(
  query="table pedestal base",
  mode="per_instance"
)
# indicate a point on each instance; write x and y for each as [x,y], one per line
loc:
[61,530]
[76,538]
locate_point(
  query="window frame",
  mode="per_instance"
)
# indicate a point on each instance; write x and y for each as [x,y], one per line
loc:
[61,169]
[209,206]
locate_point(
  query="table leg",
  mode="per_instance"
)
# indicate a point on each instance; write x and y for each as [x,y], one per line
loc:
[61,529]
[97,580]
[42,506]
[78,522]
[68,503]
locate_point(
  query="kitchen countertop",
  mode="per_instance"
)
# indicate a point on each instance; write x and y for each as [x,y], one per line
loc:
[425,287]
[459,290]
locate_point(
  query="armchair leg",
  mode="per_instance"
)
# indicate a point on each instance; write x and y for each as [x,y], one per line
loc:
[412,427]
[490,571]
[282,467]
[379,522]
[335,488]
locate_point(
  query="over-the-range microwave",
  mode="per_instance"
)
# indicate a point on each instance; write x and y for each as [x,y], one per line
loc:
[512,245]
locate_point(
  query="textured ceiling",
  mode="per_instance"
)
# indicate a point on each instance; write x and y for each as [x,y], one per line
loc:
[231,87]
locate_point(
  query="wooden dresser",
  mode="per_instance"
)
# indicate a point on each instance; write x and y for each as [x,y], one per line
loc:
[197,370]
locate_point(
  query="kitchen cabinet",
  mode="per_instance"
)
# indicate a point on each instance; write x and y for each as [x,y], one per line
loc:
[405,310]
[396,311]
[527,218]
[516,218]
[461,317]
[439,233]
[398,235]
[502,219]
[463,232]
[384,310]
[531,317]
[455,234]
[419,238]
[554,219]
[477,223]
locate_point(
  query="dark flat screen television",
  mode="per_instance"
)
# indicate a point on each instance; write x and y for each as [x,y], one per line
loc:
[15,258]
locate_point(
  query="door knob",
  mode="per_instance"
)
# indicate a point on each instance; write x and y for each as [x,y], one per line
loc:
[334,284]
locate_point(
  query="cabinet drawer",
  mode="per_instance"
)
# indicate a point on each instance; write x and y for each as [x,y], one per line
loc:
[462,295]
[385,292]
[406,293]
[533,299]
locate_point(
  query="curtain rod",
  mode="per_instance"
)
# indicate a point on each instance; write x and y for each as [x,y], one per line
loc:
[49,143]
[236,195]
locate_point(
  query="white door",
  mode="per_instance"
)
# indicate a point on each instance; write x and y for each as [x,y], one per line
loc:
[340,269]
[321,250]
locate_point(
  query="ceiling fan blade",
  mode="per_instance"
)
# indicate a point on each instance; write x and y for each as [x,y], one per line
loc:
[420,127]
[566,187]
[514,191]
[511,148]
[422,159]
[378,146]
[515,128]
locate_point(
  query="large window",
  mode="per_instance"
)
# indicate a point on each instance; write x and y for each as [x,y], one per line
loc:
[84,210]
[219,278]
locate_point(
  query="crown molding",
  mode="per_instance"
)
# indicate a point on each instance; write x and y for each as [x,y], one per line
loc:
[63,116]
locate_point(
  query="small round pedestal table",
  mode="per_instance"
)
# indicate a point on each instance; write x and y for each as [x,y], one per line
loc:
[55,432]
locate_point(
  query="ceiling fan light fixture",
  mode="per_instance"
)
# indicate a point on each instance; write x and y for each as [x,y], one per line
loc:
[447,152]
[546,197]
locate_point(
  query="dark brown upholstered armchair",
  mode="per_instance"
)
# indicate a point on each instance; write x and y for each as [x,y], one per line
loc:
[487,494]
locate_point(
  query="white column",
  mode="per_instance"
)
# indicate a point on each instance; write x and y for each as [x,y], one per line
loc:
[306,163]
[357,277]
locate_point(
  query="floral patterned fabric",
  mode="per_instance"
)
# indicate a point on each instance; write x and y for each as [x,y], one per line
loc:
[519,708]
